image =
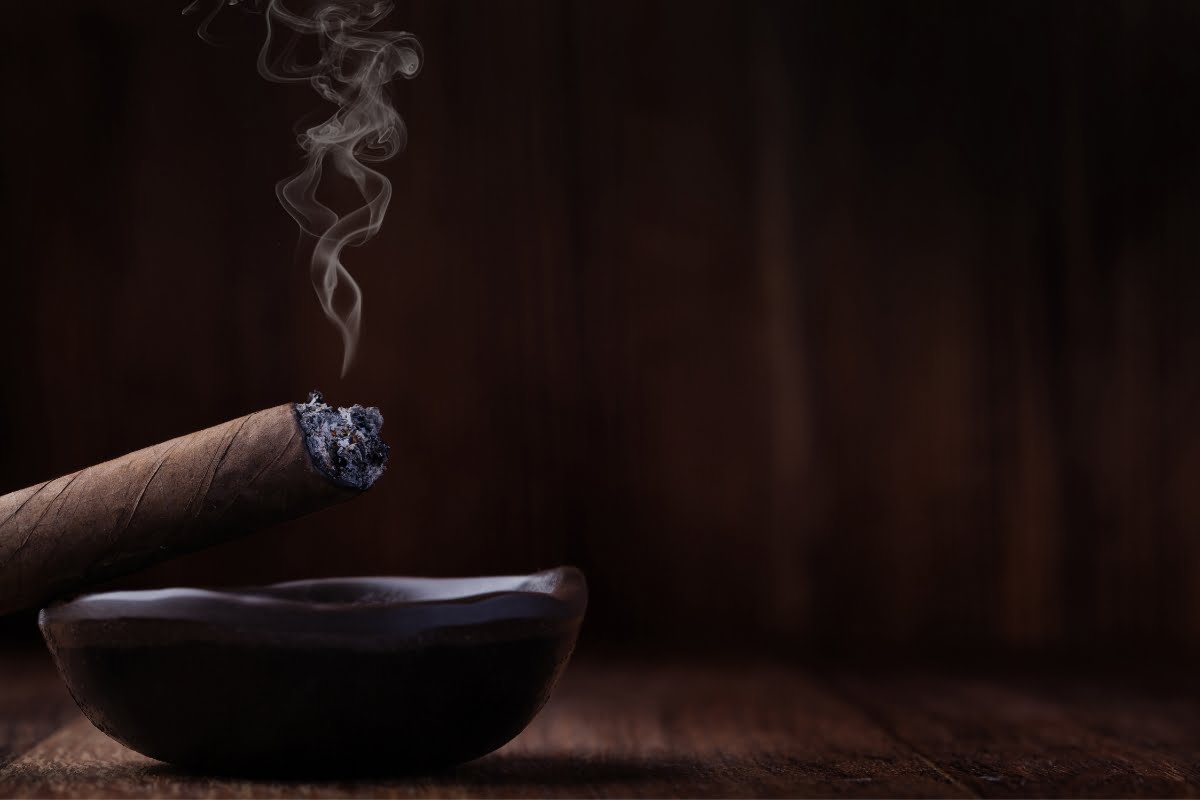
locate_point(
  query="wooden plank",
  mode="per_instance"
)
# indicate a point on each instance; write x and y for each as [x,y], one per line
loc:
[1005,741]
[610,730]
[1159,713]
[33,701]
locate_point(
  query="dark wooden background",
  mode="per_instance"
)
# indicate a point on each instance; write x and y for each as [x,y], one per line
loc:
[813,322]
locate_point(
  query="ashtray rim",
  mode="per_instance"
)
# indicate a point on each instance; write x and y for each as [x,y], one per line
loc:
[393,609]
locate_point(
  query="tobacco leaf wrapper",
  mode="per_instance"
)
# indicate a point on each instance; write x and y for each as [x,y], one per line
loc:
[183,495]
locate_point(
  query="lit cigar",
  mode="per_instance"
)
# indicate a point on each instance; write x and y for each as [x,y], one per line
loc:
[183,495]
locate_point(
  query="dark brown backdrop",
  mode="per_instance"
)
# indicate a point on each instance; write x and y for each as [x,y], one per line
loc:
[829,321]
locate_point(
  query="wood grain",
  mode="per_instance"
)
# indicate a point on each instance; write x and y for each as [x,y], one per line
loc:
[33,701]
[651,728]
[1003,740]
[612,729]
[1159,713]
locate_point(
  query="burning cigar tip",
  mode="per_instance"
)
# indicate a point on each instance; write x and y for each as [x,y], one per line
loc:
[344,443]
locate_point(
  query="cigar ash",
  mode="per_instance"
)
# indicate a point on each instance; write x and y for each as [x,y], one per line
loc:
[344,443]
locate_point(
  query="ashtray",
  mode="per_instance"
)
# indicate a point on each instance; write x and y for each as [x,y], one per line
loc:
[334,676]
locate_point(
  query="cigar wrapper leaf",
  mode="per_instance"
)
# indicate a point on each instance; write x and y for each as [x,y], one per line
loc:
[183,495]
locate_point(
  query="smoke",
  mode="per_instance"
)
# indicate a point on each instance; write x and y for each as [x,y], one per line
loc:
[353,66]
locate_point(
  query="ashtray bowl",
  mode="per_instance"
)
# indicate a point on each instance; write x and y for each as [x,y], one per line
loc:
[331,676]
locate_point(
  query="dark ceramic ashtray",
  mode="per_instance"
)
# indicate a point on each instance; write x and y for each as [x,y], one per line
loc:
[330,676]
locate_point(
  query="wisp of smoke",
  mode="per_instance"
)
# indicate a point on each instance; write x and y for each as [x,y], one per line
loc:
[354,66]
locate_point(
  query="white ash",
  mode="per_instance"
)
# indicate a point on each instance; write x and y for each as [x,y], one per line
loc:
[344,442]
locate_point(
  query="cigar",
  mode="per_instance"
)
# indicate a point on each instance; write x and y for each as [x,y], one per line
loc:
[183,495]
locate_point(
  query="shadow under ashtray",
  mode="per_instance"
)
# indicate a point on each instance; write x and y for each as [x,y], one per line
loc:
[566,771]
[497,770]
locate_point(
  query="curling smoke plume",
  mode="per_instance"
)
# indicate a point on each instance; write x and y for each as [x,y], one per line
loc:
[354,65]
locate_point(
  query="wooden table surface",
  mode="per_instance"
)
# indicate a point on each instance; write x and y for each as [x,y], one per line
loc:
[633,728]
